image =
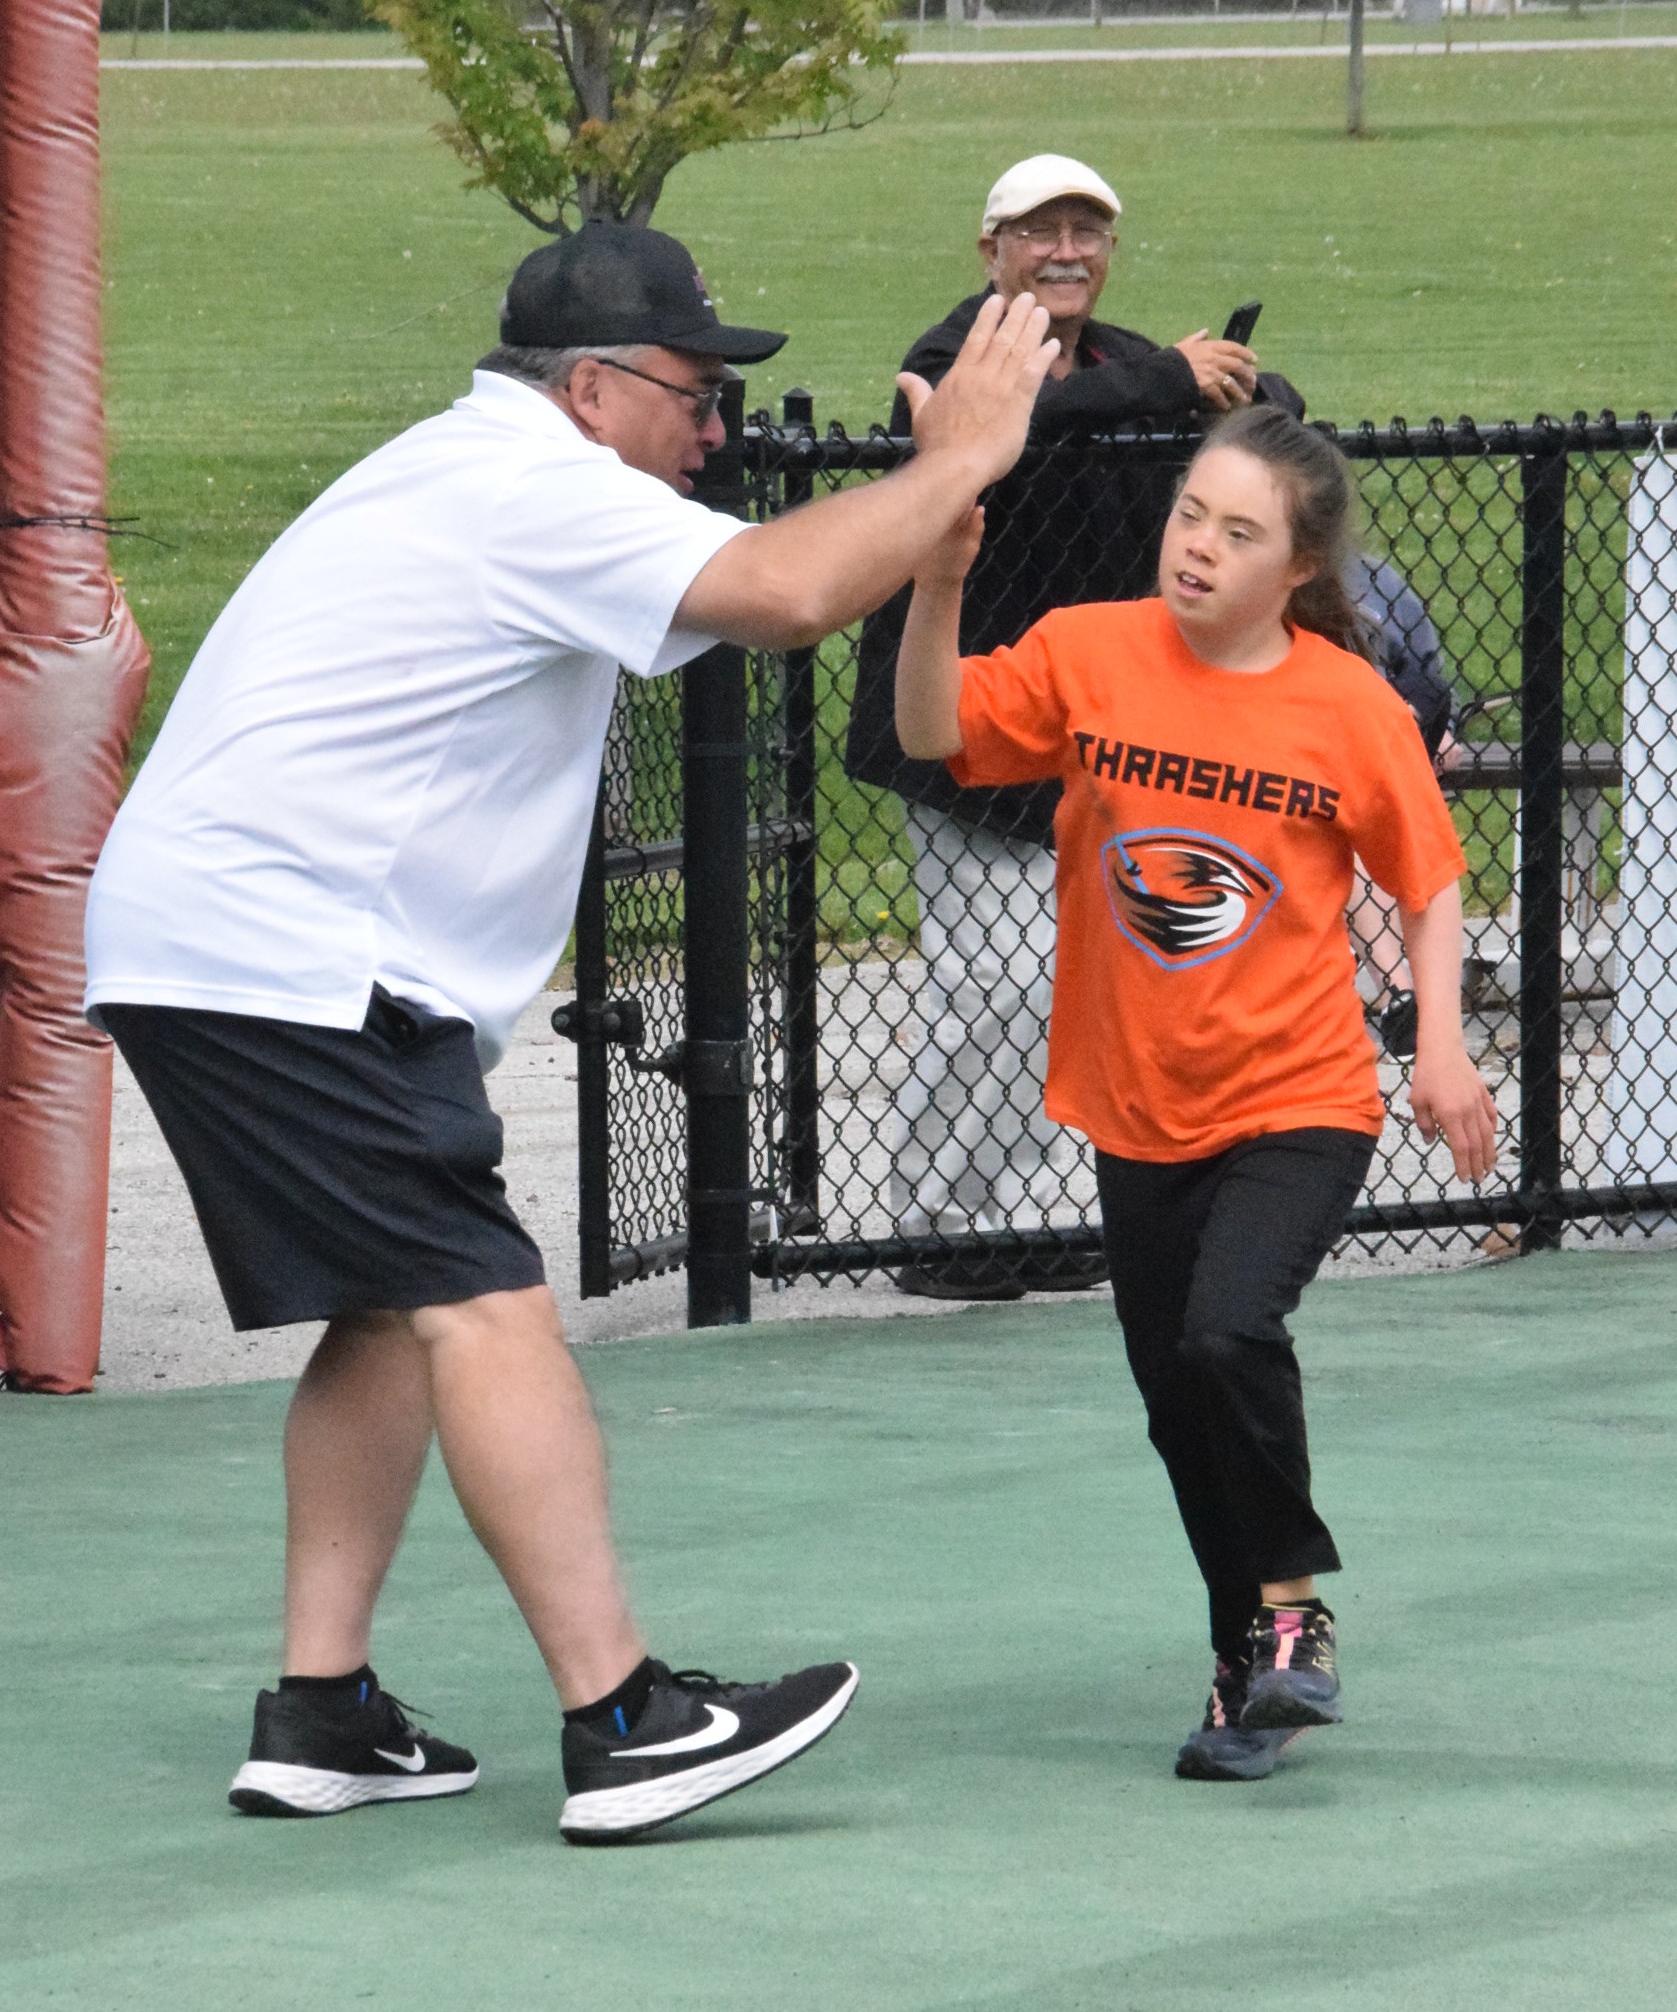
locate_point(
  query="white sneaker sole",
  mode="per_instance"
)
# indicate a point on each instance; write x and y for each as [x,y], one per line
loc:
[606,1813]
[276,1788]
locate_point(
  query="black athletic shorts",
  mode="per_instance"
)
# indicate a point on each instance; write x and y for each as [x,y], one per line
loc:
[332,1171]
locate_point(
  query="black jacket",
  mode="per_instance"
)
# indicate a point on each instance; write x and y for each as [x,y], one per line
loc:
[1070,523]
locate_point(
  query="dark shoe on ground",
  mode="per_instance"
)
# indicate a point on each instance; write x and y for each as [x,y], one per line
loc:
[1061,1271]
[697,1739]
[1295,1674]
[314,1759]
[959,1278]
[1222,1749]
[1398,1022]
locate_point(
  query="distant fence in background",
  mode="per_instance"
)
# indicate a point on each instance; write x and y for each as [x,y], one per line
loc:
[124,17]
[1085,13]
[146,16]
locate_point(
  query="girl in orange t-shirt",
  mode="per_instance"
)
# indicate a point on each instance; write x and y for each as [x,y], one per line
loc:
[1226,762]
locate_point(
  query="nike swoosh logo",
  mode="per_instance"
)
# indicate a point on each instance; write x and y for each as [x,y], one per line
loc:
[414,1763]
[723,1726]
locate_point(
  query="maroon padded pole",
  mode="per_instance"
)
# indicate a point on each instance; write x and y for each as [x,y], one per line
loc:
[72,676]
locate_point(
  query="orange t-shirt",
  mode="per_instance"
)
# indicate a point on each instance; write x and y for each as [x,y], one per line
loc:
[1204,989]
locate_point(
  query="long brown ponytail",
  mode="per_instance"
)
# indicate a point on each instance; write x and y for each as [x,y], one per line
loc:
[1321,502]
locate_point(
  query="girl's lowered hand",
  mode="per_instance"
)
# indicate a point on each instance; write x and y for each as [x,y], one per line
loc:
[1447,1095]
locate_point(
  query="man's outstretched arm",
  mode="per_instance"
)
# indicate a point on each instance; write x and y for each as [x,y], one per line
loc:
[799,578]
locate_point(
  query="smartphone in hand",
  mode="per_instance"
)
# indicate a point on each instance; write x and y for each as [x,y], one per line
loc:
[1242,322]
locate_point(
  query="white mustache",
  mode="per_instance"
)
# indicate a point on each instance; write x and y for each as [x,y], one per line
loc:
[1054,270]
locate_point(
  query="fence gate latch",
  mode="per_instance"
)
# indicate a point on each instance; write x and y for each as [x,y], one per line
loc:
[619,1020]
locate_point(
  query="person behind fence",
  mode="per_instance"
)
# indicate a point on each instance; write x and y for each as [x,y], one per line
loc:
[348,865]
[1226,763]
[974,1149]
[1408,653]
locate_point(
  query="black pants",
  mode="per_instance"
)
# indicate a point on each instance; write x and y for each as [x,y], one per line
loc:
[1209,1257]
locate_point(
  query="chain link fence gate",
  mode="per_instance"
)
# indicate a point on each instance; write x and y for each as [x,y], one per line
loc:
[756,1023]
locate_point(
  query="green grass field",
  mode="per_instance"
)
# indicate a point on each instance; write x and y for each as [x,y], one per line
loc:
[295,271]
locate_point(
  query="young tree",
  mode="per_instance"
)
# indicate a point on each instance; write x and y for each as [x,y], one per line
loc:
[573,109]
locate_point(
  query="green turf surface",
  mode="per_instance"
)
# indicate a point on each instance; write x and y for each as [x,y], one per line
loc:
[969,1509]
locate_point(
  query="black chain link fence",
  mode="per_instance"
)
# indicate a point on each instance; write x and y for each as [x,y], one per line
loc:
[898,946]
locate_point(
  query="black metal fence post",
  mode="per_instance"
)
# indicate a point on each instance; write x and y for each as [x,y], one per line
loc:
[1542,837]
[593,1070]
[716,1049]
[802,1142]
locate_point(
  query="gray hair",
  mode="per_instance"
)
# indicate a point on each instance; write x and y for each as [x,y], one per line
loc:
[550,369]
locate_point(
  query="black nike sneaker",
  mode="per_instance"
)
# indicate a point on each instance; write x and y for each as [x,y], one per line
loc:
[698,1738]
[309,1758]
[1221,1748]
[1295,1673]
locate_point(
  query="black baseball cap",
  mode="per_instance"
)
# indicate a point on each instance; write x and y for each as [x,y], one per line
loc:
[610,284]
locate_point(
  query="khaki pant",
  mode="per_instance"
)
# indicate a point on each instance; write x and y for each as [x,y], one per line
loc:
[971,1148]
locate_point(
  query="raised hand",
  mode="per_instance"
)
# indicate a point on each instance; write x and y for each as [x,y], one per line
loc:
[982,408]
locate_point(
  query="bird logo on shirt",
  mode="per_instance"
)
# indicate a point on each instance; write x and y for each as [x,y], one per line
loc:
[1183,897]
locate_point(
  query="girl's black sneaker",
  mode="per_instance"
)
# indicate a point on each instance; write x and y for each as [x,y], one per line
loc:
[314,1757]
[1295,1674]
[1222,1749]
[697,1738]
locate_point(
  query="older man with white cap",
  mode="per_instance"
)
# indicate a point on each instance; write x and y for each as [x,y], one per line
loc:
[974,1150]
[1048,229]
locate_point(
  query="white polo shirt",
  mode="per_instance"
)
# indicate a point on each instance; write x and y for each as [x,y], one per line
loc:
[382,764]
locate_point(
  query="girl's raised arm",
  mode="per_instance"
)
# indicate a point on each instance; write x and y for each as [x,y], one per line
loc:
[929,658]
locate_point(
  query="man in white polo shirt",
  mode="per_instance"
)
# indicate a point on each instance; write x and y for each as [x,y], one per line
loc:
[352,859]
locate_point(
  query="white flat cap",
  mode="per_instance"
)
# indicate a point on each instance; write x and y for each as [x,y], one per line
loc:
[1029,184]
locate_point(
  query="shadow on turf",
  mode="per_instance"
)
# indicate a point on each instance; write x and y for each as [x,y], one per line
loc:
[725,1827]
[127,1879]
